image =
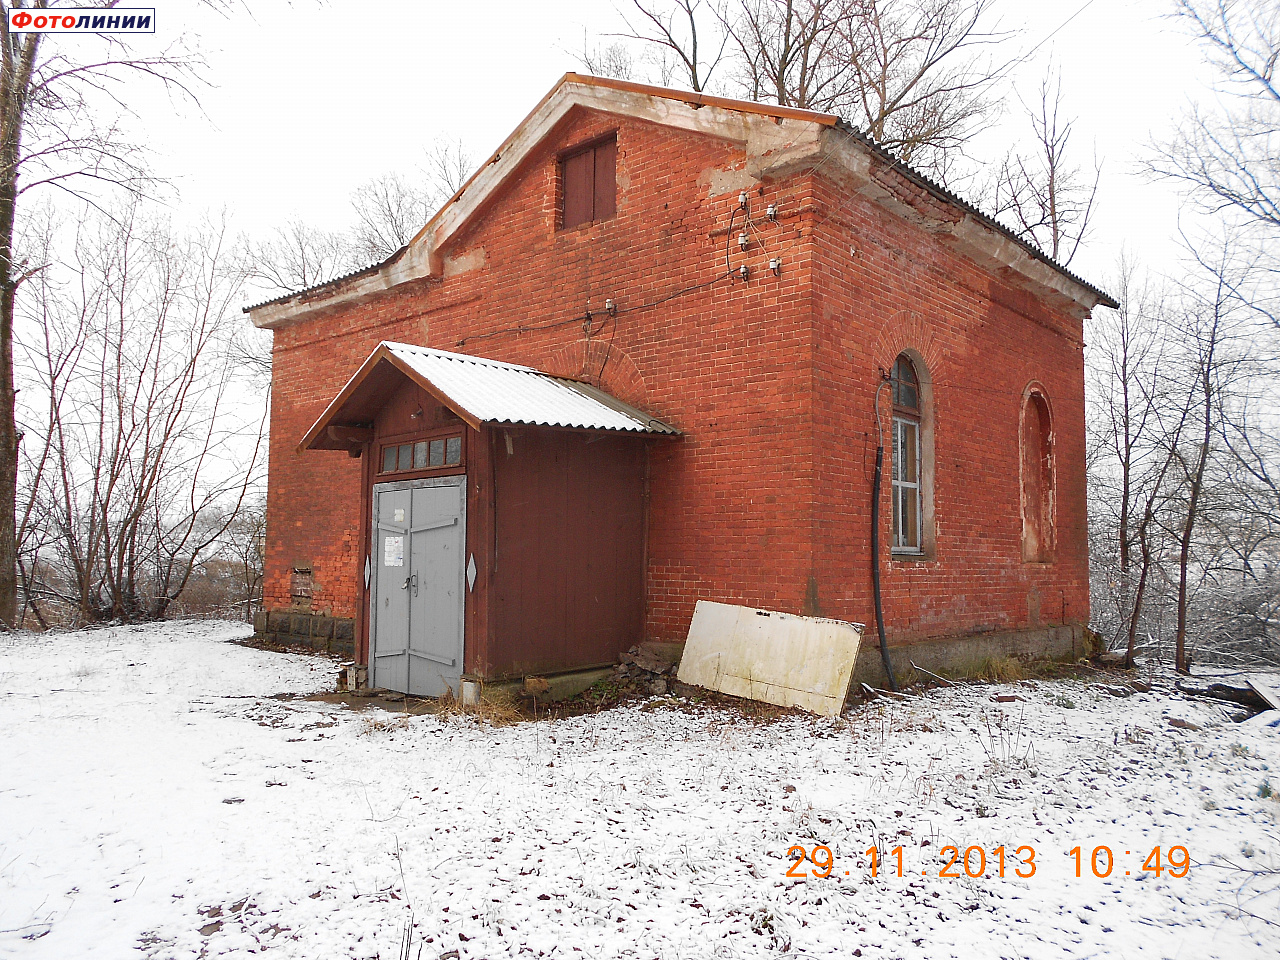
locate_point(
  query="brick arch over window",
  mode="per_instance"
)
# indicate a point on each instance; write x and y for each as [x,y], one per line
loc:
[1038,485]
[907,331]
[603,366]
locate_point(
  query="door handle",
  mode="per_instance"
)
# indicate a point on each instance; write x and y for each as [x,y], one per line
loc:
[411,580]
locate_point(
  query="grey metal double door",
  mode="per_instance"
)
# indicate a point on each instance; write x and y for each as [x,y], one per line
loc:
[417,587]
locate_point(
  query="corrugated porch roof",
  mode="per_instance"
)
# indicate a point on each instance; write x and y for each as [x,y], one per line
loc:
[479,391]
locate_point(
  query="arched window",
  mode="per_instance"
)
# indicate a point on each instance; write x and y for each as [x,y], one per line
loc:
[908,460]
[1037,493]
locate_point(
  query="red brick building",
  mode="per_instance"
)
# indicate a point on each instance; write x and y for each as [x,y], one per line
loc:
[750,278]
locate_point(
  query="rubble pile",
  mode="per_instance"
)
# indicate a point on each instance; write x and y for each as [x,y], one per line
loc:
[649,667]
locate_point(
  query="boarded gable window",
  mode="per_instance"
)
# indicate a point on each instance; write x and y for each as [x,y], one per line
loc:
[588,184]
[301,586]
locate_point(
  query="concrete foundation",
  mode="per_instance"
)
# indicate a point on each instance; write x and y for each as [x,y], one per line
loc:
[964,656]
[302,629]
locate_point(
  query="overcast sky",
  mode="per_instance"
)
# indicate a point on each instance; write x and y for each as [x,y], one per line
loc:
[310,100]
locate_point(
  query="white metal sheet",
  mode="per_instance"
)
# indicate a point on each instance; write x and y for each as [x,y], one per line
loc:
[778,658]
[1267,686]
[496,392]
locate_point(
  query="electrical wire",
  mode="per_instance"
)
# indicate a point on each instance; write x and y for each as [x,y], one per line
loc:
[728,235]
[880,420]
[875,540]
[608,350]
[521,328]
[525,328]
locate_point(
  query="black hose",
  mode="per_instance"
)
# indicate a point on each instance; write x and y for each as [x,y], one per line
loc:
[875,553]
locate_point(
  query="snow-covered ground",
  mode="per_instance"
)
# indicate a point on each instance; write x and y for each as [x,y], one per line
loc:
[156,800]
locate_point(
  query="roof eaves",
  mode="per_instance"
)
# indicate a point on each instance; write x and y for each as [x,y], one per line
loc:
[315,288]
[942,193]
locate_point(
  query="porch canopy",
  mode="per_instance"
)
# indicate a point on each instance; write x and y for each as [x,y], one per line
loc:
[479,391]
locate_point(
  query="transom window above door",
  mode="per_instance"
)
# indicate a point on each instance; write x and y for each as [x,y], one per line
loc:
[434,454]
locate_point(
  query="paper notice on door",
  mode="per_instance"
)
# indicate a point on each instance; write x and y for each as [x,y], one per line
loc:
[393,552]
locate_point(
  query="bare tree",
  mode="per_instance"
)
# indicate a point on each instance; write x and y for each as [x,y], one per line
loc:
[1043,196]
[298,256]
[791,52]
[923,73]
[1172,420]
[916,75]
[1123,359]
[389,211]
[1222,512]
[1252,439]
[143,450]
[1183,523]
[228,581]
[613,60]
[245,547]
[446,168]
[1233,614]
[686,36]
[392,208]
[57,131]
[1216,335]
[1227,157]
[1137,418]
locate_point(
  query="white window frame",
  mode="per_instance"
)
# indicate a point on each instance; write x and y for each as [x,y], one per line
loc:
[914,490]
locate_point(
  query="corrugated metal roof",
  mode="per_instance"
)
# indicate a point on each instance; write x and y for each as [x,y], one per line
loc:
[478,390]
[496,392]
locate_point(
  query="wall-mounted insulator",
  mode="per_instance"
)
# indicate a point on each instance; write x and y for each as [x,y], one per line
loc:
[743,241]
[742,200]
[772,212]
[744,272]
[776,266]
[611,308]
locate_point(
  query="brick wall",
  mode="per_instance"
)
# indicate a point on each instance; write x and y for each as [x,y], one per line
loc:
[882,287]
[765,499]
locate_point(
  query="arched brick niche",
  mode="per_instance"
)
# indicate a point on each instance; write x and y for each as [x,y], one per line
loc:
[1038,485]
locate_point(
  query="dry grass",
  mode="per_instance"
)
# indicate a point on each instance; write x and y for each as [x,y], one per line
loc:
[498,710]
[1000,670]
